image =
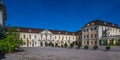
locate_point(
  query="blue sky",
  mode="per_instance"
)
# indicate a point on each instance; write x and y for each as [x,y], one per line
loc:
[69,15]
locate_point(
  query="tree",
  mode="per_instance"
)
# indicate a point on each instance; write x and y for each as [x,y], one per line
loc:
[108,47]
[46,44]
[86,47]
[95,47]
[71,45]
[65,45]
[2,32]
[118,43]
[11,42]
[56,45]
[112,43]
[27,42]
[41,43]
[79,44]
[100,42]
[50,44]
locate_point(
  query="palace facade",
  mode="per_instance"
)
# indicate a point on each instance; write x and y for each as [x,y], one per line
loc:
[90,34]
[35,37]
[96,32]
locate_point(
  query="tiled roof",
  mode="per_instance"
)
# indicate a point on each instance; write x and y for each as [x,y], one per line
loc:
[102,23]
[34,30]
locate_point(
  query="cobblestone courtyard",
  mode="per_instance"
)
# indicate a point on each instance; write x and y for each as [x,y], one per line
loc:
[50,53]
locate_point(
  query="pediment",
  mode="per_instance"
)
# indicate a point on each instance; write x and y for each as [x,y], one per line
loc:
[46,32]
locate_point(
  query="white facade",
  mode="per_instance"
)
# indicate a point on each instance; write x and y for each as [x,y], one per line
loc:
[34,39]
[91,34]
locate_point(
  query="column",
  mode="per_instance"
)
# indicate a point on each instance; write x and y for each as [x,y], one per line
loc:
[89,35]
[99,34]
[82,38]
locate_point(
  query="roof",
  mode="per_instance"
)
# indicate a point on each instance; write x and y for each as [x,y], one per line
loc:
[35,30]
[102,23]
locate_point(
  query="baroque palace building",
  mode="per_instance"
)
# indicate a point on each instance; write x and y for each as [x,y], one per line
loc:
[97,30]
[90,34]
[36,37]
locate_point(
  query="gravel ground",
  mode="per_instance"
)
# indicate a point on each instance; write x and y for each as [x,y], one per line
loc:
[50,53]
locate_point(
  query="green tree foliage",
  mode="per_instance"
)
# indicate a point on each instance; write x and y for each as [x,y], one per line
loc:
[41,43]
[108,47]
[65,45]
[46,44]
[71,45]
[100,42]
[56,45]
[112,43]
[86,47]
[118,43]
[11,42]
[95,47]
[50,44]
[79,44]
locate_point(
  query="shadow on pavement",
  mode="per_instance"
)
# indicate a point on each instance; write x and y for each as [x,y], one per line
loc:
[2,56]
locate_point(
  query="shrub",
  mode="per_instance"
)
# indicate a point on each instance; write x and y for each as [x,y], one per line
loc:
[41,43]
[56,45]
[71,45]
[10,42]
[100,42]
[52,45]
[65,45]
[61,45]
[86,47]
[79,44]
[108,48]
[46,44]
[95,47]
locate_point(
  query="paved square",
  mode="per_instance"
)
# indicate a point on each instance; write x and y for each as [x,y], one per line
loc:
[51,53]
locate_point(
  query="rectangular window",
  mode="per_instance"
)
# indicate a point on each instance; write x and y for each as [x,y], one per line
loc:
[91,35]
[95,35]
[95,28]
[55,37]
[87,36]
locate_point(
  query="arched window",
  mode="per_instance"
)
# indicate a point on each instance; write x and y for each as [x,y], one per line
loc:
[35,36]
[24,36]
[30,36]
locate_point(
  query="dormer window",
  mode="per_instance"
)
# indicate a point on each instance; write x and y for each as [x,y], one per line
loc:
[73,33]
[92,23]
[66,33]
[30,30]
[105,23]
[88,24]
[59,32]
[113,25]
